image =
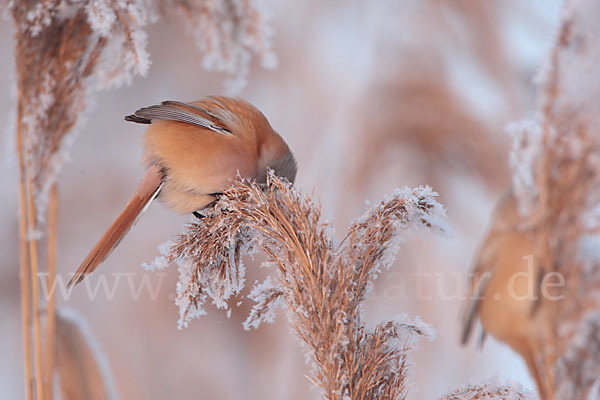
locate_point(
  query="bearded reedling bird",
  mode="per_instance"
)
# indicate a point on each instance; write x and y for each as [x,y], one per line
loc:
[192,152]
[506,291]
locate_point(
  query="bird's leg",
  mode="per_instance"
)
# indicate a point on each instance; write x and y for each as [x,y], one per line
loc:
[536,371]
[212,204]
[217,196]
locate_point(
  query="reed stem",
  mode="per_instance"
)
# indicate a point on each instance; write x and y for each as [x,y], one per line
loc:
[51,300]
[24,261]
[33,264]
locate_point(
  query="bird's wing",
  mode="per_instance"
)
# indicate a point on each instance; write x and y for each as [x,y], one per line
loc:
[481,274]
[480,284]
[535,306]
[188,113]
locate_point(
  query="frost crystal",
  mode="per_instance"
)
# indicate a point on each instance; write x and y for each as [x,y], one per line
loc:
[161,261]
[190,297]
[526,136]
[578,370]
[101,16]
[227,33]
[267,297]
[414,329]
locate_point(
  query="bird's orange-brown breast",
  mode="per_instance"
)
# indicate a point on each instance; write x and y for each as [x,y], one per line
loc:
[510,296]
[196,161]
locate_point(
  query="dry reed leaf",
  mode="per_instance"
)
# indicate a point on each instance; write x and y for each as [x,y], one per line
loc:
[321,284]
[82,371]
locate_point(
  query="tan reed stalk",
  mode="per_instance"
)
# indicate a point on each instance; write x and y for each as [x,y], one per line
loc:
[24,261]
[33,263]
[51,300]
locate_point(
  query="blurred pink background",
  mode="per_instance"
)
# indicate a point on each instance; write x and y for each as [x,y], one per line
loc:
[347,73]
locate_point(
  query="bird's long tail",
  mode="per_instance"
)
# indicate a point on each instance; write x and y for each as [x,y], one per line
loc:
[147,191]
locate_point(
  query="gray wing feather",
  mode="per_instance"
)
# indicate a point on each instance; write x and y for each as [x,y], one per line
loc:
[193,106]
[471,312]
[182,112]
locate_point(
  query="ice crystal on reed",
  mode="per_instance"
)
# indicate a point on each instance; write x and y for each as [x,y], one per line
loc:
[267,297]
[101,16]
[227,33]
[526,139]
[161,261]
[490,391]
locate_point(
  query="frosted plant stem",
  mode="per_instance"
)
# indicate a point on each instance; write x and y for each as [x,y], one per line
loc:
[33,261]
[51,301]
[24,273]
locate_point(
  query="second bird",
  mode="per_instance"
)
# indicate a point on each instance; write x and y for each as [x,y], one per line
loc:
[192,152]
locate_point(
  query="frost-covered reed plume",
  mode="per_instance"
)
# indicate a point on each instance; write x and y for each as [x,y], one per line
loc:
[227,33]
[319,282]
[556,164]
